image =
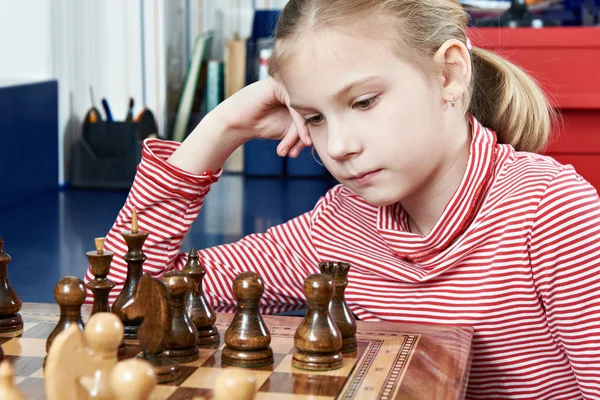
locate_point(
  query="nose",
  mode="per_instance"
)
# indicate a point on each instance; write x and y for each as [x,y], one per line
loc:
[342,142]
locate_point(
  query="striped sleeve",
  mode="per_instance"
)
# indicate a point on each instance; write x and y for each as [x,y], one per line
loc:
[283,257]
[565,260]
[168,200]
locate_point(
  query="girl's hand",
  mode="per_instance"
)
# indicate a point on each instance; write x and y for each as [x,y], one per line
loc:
[261,110]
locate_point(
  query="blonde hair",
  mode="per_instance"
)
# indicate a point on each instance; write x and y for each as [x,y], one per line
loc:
[501,95]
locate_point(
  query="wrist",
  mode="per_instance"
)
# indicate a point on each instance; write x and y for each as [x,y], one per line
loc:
[219,124]
[206,147]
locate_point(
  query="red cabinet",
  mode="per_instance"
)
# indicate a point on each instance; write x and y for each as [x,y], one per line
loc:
[566,63]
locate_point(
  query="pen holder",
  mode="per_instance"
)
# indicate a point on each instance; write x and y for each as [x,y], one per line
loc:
[106,155]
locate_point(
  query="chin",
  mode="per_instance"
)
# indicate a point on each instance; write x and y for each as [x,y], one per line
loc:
[377,197]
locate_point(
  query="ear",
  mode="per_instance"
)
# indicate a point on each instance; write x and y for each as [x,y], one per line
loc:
[456,73]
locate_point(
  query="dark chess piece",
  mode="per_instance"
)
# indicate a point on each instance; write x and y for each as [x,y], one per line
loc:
[200,312]
[69,294]
[318,340]
[247,339]
[338,308]
[149,303]
[181,343]
[11,323]
[135,260]
[101,286]
[1,354]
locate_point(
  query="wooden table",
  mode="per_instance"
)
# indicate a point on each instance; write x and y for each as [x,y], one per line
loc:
[394,361]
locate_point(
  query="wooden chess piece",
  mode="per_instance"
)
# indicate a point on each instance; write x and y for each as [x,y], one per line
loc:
[318,340]
[338,308]
[181,343]
[235,384]
[69,294]
[8,390]
[11,323]
[1,354]
[101,286]
[247,338]
[150,304]
[78,363]
[103,333]
[200,312]
[132,380]
[135,260]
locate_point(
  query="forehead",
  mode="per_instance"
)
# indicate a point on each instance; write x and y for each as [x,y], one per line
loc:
[328,59]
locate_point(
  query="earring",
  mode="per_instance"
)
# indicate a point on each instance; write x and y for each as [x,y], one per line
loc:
[452,100]
[318,161]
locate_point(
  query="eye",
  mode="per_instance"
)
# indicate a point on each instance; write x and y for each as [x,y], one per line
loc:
[315,121]
[366,104]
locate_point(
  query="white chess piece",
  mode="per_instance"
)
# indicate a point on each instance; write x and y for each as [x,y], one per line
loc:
[78,363]
[235,384]
[8,390]
[132,380]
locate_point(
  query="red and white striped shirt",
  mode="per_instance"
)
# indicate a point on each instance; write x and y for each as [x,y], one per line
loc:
[515,254]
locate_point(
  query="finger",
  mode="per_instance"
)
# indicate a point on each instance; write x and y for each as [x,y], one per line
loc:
[295,151]
[283,96]
[289,140]
[301,127]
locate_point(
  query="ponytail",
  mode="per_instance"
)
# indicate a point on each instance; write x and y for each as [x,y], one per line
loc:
[509,101]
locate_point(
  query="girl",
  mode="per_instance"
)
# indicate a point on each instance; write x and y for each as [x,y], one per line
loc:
[444,211]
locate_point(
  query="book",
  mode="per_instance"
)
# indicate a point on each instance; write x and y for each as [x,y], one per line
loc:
[180,129]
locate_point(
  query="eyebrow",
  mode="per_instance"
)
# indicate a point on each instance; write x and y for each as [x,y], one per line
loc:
[343,91]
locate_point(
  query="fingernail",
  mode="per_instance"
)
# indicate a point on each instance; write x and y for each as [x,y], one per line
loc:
[282,152]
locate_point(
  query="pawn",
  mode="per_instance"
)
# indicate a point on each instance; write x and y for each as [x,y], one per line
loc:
[11,323]
[103,334]
[338,308]
[201,313]
[181,342]
[318,340]
[235,384]
[132,380]
[247,338]
[69,293]
[8,390]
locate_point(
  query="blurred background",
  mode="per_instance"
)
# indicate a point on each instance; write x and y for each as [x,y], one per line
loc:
[83,82]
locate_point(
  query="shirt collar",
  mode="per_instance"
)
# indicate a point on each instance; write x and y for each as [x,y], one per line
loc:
[458,213]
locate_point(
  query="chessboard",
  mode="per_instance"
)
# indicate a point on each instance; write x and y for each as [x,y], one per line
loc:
[393,361]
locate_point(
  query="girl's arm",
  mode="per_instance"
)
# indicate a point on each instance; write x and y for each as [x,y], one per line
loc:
[565,260]
[168,200]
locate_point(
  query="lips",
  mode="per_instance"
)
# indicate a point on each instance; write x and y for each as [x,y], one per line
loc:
[362,175]
[365,179]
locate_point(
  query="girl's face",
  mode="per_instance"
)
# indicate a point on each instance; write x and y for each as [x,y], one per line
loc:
[377,122]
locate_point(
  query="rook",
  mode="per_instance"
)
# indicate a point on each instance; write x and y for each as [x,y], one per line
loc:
[338,308]
[318,340]
[247,339]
